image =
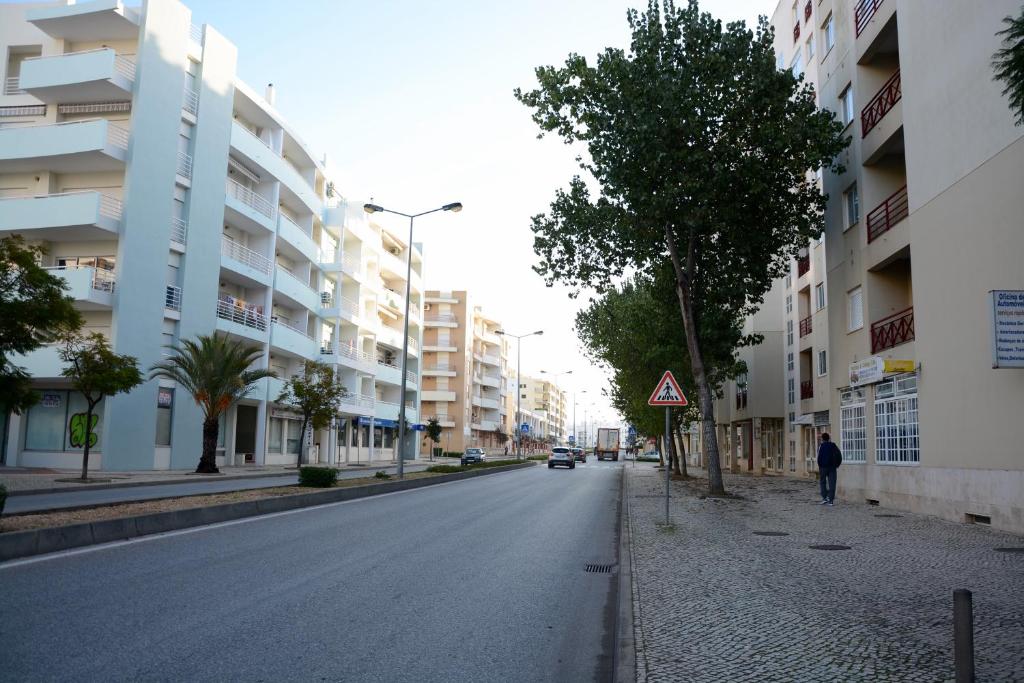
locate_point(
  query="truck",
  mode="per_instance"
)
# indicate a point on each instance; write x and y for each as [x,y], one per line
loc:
[607,443]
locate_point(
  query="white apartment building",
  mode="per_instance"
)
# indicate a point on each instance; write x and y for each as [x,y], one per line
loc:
[544,398]
[175,201]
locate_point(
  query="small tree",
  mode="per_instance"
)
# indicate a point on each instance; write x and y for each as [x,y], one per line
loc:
[1009,64]
[95,372]
[34,310]
[434,433]
[315,394]
[216,371]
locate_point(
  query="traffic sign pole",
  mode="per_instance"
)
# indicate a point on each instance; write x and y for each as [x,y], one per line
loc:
[668,456]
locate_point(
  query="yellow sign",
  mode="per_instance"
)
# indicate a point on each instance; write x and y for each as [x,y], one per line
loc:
[874,368]
[899,366]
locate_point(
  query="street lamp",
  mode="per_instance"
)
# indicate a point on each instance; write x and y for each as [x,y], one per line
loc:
[519,386]
[556,375]
[374,208]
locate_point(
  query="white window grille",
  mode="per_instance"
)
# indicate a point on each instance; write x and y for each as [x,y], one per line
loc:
[792,422]
[897,433]
[95,108]
[789,333]
[792,456]
[789,303]
[853,426]
[790,364]
[854,309]
[791,391]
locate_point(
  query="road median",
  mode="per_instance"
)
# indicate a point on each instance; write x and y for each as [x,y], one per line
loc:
[26,543]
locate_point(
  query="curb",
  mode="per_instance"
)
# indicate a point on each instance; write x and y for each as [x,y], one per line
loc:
[625,640]
[52,539]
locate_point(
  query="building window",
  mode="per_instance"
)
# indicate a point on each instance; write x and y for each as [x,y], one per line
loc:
[822,362]
[853,426]
[789,332]
[797,67]
[830,33]
[810,48]
[780,62]
[854,309]
[789,361]
[792,456]
[789,304]
[57,423]
[819,296]
[846,104]
[851,200]
[896,427]
[164,408]
[791,391]
[792,422]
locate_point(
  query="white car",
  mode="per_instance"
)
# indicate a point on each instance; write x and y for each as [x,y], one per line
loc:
[560,455]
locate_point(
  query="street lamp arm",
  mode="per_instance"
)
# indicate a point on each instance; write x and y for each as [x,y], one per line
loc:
[375,208]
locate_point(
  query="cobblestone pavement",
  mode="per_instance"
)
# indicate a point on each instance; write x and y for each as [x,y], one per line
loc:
[714,602]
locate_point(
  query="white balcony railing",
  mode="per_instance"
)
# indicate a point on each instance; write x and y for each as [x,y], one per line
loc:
[184,165]
[103,280]
[257,137]
[190,101]
[290,324]
[349,350]
[117,136]
[172,299]
[109,206]
[440,318]
[125,67]
[288,273]
[195,33]
[410,376]
[249,198]
[241,315]
[307,231]
[359,401]
[179,230]
[253,259]
[12,87]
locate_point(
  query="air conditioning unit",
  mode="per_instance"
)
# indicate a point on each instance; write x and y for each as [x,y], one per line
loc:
[426,307]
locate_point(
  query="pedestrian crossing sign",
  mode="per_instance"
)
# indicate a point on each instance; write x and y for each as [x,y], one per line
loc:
[668,392]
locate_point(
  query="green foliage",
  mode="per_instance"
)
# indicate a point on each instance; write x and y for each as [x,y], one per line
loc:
[316,395]
[446,469]
[1008,63]
[216,371]
[34,310]
[537,457]
[434,430]
[381,474]
[453,454]
[318,477]
[698,151]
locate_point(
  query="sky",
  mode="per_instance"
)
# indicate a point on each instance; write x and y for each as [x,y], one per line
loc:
[412,103]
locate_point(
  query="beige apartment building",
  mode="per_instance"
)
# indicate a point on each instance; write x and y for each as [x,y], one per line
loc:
[465,383]
[898,346]
[543,398]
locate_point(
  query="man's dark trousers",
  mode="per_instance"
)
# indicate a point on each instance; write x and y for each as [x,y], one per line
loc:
[827,479]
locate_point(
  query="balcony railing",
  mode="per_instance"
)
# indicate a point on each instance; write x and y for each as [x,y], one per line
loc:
[307,231]
[241,315]
[298,280]
[12,87]
[796,32]
[880,104]
[184,165]
[257,138]
[243,194]
[344,304]
[887,214]
[195,32]
[806,389]
[124,66]
[805,327]
[807,10]
[253,259]
[172,299]
[117,136]
[893,330]
[440,367]
[803,264]
[440,318]
[179,230]
[190,101]
[359,401]
[109,206]
[350,351]
[103,280]
[410,376]
[862,13]
[291,325]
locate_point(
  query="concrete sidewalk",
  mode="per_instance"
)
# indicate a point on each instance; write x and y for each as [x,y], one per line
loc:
[716,598]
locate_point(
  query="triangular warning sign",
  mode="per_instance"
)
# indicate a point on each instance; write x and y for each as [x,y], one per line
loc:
[668,392]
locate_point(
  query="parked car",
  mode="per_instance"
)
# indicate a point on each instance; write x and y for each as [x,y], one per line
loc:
[560,455]
[473,455]
[579,455]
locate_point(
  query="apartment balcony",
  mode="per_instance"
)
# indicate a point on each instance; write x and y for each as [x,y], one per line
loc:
[886,215]
[875,27]
[242,321]
[443,396]
[487,359]
[488,403]
[438,370]
[390,336]
[391,299]
[796,32]
[806,389]
[73,147]
[803,266]
[92,288]
[445,347]
[491,338]
[87,21]
[488,381]
[805,327]
[387,410]
[84,215]
[892,330]
[254,267]
[259,153]
[440,320]
[172,298]
[388,374]
[190,101]
[349,264]
[357,404]
[99,75]
[179,231]
[251,209]
[296,289]
[335,306]
[881,122]
[288,337]
[297,236]
[485,426]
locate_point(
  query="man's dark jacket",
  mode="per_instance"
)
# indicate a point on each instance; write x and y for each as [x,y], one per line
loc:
[828,456]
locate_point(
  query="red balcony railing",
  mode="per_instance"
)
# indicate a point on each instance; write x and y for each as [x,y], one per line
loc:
[803,264]
[863,12]
[884,100]
[806,389]
[892,331]
[807,10]
[796,32]
[805,326]
[887,214]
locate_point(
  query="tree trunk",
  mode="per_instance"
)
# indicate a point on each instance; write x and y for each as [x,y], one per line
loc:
[682,450]
[302,442]
[706,397]
[208,460]
[660,443]
[674,453]
[88,434]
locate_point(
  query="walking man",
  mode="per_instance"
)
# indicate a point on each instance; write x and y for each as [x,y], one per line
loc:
[829,460]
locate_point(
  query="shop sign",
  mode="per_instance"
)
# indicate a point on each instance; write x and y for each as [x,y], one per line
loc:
[50,401]
[875,368]
[285,414]
[1007,317]
[164,397]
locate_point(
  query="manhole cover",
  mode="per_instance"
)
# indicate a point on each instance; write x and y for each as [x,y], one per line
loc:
[829,547]
[888,515]
[1010,550]
[770,533]
[599,568]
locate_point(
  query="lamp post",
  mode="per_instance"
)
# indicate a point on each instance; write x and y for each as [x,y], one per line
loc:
[374,208]
[556,375]
[519,386]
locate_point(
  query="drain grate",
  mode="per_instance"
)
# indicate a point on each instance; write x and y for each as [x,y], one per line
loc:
[1010,550]
[888,515]
[829,547]
[599,568]
[770,533]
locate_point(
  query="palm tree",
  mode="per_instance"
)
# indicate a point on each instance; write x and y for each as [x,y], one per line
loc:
[1009,64]
[215,370]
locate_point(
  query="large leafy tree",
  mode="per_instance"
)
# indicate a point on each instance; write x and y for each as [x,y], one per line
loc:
[1009,64]
[34,310]
[698,153]
[96,372]
[434,431]
[216,371]
[316,395]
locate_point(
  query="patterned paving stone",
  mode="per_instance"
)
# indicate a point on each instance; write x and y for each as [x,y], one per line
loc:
[714,602]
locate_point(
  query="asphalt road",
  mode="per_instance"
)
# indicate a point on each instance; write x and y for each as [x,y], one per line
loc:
[69,499]
[476,580]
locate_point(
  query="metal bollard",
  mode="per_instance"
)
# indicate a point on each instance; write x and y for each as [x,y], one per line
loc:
[963,636]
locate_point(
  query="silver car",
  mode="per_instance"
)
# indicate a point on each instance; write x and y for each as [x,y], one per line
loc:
[560,455]
[473,456]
